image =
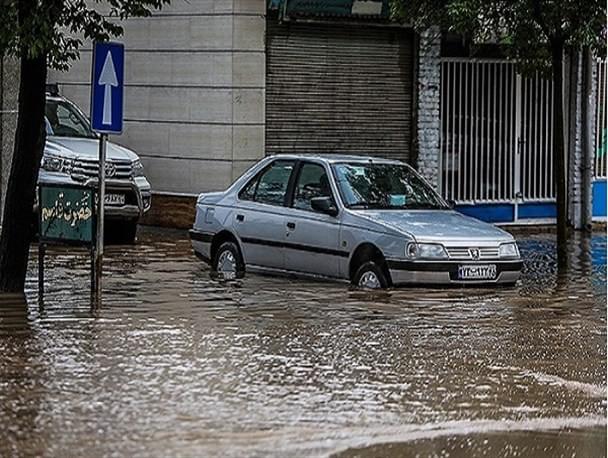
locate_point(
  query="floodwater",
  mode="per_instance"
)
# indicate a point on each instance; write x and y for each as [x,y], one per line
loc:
[174,363]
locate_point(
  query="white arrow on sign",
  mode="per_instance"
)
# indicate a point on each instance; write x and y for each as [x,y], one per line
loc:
[107,79]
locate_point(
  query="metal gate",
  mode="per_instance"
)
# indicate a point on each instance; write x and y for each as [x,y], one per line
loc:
[339,88]
[601,121]
[496,134]
[600,190]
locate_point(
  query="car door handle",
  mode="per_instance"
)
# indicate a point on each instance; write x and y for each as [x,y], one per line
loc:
[240,218]
[291,225]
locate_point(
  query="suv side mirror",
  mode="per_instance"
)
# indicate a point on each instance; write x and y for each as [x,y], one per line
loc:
[324,205]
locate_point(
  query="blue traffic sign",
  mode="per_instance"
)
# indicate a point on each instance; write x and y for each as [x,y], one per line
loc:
[107,87]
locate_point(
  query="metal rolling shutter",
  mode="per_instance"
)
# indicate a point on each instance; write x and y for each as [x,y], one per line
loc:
[338,89]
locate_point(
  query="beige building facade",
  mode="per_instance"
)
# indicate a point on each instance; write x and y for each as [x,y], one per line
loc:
[194,96]
[211,86]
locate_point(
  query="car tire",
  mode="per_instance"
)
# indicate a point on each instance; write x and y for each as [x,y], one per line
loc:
[120,232]
[129,232]
[371,276]
[228,261]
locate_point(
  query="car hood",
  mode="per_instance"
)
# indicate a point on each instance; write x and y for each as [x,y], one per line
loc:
[87,148]
[438,225]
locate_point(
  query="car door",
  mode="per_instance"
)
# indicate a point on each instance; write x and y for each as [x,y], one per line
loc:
[311,237]
[259,216]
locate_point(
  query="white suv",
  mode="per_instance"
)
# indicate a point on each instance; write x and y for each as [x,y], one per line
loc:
[71,156]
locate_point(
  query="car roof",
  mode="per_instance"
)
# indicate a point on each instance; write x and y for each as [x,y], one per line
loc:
[337,158]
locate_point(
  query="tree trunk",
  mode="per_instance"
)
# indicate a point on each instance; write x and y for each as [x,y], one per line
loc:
[29,146]
[557,53]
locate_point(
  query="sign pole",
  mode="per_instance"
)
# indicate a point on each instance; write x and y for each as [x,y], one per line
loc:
[107,87]
[101,192]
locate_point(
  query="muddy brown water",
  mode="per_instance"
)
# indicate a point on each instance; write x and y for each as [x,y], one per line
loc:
[174,363]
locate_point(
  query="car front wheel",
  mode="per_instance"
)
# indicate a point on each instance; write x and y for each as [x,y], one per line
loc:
[121,232]
[129,232]
[228,261]
[371,276]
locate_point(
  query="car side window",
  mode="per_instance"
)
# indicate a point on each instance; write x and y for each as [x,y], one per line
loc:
[248,192]
[270,186]
[312,182]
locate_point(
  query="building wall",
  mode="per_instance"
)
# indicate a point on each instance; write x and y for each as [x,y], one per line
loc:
[9,92]
[194,96]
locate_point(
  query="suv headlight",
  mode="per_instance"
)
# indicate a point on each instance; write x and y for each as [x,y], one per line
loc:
[57,164]
[425,251]
[137,168]
[508,250]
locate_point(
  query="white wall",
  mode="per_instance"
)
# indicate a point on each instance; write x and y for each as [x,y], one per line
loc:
[194,95]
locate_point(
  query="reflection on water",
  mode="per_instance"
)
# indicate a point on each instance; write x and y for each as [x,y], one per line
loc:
[174,362]
[566,442]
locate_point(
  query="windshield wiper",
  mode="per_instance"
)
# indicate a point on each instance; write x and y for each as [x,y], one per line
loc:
[359,206]
[421,206]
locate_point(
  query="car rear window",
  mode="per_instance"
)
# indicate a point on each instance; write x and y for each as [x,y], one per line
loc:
[270,185]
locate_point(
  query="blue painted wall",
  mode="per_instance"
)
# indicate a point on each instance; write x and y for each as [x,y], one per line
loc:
[492,213]
[537,210]
[599,198]
[505,213]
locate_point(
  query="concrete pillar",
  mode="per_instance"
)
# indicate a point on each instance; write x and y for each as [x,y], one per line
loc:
[428,124]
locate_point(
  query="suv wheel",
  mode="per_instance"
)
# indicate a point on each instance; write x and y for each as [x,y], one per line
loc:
[128,232]
[228,261]
[371,276]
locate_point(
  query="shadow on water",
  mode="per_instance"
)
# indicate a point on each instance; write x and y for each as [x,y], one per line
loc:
[176,363]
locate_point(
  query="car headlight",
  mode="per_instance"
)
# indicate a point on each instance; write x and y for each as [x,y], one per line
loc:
[57,164]
[508,250]
[138,169]
[425,251]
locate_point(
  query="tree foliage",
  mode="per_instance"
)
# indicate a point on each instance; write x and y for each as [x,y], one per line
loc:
[59,28]
[534,32]
[525,29]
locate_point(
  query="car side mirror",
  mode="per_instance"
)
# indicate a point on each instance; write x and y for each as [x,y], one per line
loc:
[324,205]
[452,204]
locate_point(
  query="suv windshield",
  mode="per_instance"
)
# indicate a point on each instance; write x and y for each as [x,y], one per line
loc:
[64,120]
[384,186]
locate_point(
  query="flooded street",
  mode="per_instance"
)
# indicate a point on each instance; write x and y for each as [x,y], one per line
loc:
[175,363]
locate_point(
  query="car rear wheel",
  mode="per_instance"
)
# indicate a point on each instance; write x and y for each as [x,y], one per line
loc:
[371,276]
[228,261]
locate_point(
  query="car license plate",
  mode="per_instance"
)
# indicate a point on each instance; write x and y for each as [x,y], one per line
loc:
[477,272]
[114,199]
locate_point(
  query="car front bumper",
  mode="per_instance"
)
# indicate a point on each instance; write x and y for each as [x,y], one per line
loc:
[446,272]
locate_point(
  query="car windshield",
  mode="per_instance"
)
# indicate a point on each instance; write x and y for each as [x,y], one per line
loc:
[384,186]
[63,119]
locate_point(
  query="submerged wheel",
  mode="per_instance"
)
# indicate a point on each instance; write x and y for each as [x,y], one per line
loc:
[228,261]
[129,232]
[371,276]
[122,232]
